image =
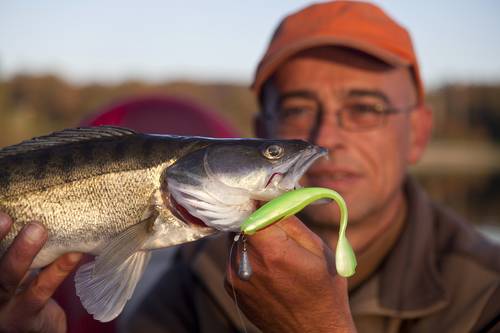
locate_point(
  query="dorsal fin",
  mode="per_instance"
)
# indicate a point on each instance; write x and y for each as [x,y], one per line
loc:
[64,137]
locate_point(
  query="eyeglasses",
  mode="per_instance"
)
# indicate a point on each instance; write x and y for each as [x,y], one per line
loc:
[305,119]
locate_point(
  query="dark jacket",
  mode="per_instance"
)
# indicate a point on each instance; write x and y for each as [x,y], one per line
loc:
[440,276]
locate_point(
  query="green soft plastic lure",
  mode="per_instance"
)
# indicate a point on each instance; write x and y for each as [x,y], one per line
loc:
[294,201]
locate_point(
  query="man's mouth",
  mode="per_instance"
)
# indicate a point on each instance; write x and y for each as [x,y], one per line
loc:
[337,180]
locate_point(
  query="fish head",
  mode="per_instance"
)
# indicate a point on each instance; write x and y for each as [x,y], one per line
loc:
[221,184]
[261,169]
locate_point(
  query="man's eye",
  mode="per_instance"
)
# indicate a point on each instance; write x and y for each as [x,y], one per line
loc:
[366,108]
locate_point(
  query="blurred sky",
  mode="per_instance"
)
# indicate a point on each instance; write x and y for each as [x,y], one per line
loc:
[96,40]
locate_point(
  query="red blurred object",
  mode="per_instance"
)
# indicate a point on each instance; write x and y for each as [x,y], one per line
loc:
[165,115]
[156,114]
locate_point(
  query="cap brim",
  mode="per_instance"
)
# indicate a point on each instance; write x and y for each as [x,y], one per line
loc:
[271,64]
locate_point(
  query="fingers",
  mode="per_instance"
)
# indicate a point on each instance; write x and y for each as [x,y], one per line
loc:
[283,242]
[45,284]
[286,229]
[16,261]
[301,234]
[288,240]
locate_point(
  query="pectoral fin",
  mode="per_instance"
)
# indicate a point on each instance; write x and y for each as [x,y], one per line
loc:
[105,295]
[123,246]
[106,284]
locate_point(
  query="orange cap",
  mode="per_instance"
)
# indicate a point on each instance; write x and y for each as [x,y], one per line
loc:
[357,25]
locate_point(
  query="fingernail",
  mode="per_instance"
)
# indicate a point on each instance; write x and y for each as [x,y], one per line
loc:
[4,221]
[33,232]
[74,257]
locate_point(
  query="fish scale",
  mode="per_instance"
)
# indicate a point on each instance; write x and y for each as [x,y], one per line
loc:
[95,183]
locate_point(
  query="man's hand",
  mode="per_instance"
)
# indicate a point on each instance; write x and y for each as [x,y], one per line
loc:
[32,309]
[294,286]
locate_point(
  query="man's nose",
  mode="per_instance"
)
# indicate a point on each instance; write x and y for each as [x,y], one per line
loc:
[329,134]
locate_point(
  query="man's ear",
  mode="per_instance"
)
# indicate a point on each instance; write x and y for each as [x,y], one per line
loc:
[421,130]
[260,126]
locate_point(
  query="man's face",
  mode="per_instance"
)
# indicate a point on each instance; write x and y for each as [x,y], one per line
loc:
[366,165]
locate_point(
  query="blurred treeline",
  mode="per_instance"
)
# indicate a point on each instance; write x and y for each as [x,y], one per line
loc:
[32,105]
[461,168]
[466,112]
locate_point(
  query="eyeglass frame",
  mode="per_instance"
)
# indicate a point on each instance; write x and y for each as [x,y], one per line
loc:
[272,116]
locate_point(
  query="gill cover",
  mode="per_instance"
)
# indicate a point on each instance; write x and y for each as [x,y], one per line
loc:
[195,186]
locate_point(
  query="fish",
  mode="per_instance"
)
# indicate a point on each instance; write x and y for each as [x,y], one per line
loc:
[117,194]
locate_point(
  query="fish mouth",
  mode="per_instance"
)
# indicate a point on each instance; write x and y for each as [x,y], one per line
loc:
[290,179]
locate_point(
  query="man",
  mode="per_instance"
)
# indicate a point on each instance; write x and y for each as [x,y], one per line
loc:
[344,75]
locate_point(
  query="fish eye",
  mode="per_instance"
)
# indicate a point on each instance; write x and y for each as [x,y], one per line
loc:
[273,152]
